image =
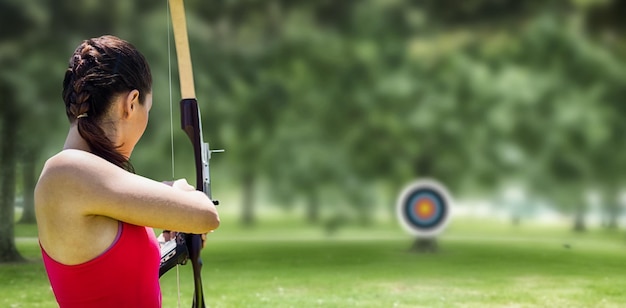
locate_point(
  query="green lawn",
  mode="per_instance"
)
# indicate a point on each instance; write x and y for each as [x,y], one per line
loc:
[478,265]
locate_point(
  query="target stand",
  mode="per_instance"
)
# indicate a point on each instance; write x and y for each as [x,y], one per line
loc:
[423,209]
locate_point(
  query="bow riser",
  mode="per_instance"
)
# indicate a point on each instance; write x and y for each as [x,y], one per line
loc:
[191,124]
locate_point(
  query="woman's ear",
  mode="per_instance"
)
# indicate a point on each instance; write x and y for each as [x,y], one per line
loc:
[130,102]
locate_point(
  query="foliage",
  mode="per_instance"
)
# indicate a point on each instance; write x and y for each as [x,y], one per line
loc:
[350,98]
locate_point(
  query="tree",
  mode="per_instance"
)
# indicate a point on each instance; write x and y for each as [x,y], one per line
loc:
[10,119]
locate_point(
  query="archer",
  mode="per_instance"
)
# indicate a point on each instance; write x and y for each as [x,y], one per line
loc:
[94,215]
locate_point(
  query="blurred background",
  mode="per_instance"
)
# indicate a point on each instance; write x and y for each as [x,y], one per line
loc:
[327,109]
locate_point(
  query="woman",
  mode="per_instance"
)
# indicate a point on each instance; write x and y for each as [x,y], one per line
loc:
[94,214]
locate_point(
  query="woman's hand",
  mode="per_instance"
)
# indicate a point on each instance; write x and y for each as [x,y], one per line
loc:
[180,184]
[168,235]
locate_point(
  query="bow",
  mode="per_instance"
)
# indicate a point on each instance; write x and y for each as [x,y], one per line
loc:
[188,246]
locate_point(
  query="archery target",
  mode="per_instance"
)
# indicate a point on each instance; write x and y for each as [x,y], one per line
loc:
[423,208]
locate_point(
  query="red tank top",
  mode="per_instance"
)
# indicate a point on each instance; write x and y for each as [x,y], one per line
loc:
[125,275]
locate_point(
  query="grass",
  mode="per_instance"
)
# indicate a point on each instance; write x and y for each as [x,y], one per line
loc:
[477,265]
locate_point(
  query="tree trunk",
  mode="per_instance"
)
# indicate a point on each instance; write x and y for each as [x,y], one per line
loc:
[29,177]
[313,205]
[247,206]
[8,149]
[579,219]
[612,211]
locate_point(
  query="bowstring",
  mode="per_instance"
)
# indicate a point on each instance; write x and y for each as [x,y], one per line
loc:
[169,76]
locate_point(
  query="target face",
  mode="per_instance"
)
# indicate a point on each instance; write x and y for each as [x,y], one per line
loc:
[423,208]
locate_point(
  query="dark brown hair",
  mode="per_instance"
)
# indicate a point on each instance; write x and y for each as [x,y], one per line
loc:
[100,69]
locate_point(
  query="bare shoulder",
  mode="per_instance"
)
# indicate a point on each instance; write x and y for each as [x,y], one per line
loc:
[72,161]
[76,167]
[70,176]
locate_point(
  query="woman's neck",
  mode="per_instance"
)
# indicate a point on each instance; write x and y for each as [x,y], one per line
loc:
[75,141]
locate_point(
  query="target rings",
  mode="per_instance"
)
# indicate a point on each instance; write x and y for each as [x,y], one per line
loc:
[423,208]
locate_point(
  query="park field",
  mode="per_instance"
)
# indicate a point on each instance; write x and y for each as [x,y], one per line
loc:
[478,264]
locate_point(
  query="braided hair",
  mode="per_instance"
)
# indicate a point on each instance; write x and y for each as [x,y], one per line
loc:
[100,69]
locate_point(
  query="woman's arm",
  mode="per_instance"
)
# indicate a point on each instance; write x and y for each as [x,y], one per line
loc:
[101,188]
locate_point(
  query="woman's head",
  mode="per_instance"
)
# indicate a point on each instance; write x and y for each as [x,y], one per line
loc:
[100,71]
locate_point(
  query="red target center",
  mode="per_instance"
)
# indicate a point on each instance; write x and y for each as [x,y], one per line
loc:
[424,208]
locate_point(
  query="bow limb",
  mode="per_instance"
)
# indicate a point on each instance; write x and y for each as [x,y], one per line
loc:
[192,125]
[179,25]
